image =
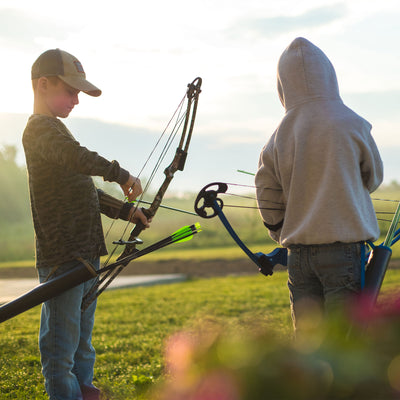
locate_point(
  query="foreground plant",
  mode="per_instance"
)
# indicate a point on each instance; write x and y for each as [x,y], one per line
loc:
[326,361]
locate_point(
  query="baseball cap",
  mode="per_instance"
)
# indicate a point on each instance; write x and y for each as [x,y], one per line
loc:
[65,66]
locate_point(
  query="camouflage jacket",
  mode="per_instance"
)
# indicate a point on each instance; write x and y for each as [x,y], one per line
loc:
[65,204]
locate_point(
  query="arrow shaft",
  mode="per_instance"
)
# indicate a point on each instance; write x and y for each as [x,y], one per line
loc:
[169,208]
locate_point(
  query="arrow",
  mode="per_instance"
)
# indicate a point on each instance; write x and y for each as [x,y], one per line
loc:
[392,230]
[245,172]
[112,270]
[166,207]
[185,233]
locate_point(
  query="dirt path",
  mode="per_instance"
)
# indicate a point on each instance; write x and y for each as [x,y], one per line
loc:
[191,268]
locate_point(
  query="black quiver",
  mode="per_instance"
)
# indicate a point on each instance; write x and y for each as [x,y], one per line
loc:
[47,290]
[375,271]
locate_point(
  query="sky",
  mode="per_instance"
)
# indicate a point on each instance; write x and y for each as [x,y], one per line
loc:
[143,54]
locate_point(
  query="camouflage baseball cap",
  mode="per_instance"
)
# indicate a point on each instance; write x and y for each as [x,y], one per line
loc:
[65,66]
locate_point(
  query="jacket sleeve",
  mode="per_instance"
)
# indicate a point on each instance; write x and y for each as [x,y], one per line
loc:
[112,207]
[371,165]
[269,192]
[52,141]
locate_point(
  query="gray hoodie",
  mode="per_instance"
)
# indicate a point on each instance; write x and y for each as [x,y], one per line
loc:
[317,171]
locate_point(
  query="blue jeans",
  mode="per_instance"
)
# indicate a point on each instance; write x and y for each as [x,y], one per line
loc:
[67,354]
[322,277]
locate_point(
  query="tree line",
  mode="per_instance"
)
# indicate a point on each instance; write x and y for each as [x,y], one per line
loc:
[14,204]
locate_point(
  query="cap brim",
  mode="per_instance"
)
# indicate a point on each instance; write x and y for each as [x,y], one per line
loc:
[81,84]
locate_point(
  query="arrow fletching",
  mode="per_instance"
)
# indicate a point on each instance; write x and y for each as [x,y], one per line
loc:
[185,233]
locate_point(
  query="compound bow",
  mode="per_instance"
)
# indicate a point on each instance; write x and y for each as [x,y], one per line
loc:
[209,205]
[178,163]
[208,199]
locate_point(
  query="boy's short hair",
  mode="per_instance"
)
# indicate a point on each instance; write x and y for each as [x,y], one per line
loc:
[66,67]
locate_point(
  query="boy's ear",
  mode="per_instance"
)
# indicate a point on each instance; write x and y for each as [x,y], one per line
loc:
[42,83]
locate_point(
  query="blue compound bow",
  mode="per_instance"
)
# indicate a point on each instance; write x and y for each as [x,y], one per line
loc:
[209,205]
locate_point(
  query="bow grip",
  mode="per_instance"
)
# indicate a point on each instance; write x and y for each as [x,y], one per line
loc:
[182,158]
[268,261]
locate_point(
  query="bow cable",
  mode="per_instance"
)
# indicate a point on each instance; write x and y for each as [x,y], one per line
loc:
[178,116]
[378,212]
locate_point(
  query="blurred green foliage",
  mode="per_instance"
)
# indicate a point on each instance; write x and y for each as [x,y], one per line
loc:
[17,236]
[326,361]
[14,204]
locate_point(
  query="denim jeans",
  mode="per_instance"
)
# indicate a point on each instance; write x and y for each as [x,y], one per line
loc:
[67,355]
[322,277]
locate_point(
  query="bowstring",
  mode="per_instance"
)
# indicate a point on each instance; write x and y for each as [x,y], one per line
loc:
[163,153]
[385,212]
[280,203]
[170,140]
[178,116]
[255,187]
[251,198]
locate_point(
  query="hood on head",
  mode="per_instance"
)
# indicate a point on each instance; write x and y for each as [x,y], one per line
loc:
[305,74]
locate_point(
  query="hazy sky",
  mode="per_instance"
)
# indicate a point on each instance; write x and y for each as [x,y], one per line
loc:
[143,53]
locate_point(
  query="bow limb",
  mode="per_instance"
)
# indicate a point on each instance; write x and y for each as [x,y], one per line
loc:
[208,199]
[178,163]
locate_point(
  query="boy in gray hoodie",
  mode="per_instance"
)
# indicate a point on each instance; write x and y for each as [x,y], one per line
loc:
[321,164]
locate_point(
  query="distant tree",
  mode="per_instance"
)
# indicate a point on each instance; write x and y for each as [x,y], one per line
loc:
[394,184]
[14,203]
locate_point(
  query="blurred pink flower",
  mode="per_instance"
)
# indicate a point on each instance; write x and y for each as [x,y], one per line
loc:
[216,385]
[179,353]
[364,311]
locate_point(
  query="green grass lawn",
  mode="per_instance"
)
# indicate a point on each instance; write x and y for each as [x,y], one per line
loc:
[182,252]
[176,251]
[132,326]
